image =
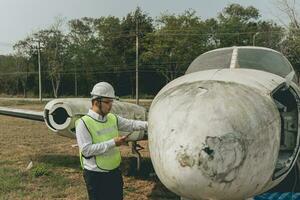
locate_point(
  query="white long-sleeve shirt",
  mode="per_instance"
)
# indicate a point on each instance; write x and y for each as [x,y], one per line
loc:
[88,149]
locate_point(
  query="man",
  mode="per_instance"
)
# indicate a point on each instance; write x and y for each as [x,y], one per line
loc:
[98,140]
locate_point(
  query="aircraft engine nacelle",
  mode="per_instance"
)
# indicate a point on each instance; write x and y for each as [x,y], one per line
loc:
[224,134]
[60,115]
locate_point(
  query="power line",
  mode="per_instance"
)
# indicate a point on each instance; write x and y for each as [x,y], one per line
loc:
[116,68]
[174,32]
[90,71]
[100,72]
[216,33]
[194,33]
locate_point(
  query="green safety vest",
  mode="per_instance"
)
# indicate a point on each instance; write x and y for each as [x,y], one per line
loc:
[101,132]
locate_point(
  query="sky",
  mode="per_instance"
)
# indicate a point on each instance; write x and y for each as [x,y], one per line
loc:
[20,18]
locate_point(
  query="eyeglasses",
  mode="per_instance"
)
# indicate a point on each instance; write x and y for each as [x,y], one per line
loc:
[107,102]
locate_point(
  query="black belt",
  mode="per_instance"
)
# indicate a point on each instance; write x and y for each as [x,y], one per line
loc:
[104,171]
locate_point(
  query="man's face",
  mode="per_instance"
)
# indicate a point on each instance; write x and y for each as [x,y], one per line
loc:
[106,104]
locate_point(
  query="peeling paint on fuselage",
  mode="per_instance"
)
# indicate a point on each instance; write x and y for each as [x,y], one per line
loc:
[227,155]
[185,159]
[219,158]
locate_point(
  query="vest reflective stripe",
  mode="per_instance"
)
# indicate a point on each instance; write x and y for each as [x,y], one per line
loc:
[101,132]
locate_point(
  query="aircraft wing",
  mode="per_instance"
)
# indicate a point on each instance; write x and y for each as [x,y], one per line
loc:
[60,115]
[22,113]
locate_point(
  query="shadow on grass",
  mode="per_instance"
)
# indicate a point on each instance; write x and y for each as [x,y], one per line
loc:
[59,160]
[128,165]
[129,168]
[159,191]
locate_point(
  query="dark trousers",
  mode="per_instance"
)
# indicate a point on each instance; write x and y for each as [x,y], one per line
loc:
[104,185]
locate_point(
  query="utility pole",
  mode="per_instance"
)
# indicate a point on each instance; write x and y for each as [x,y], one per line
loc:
[136,61]
[75,80]
[74,59]
[135,146]
[40,75]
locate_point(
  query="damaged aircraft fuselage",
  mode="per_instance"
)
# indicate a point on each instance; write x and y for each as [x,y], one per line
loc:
[229,132]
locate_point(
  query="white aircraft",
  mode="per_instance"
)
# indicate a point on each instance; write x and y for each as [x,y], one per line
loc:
[227,129]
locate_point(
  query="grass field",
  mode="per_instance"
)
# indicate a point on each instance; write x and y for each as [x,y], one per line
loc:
[55,171]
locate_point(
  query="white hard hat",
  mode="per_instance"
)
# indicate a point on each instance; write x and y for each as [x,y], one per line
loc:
[103,89]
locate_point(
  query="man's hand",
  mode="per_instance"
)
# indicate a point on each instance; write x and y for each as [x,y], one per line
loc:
[120,140]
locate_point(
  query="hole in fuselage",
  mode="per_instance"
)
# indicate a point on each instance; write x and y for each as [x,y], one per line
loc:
[208,151]
[287,102]
[60,116]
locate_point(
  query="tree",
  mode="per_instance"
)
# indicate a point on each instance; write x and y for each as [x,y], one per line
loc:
[24,68]
[53,45]
[85,50]
[110,37]
[135,23]
[52,42]
[176,42]
[242,26]
[289,8]
[290,44]
[8,77]
[104,49]
[236,25]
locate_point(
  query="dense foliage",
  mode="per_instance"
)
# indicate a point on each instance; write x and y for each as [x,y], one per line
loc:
[90,50]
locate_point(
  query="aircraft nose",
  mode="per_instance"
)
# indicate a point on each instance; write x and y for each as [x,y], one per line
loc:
[214,139]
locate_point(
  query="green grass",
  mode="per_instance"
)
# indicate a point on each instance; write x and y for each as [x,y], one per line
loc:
[40,170]
[10,180]
[129,189]
[58,160]
[36,183]
[6,162]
